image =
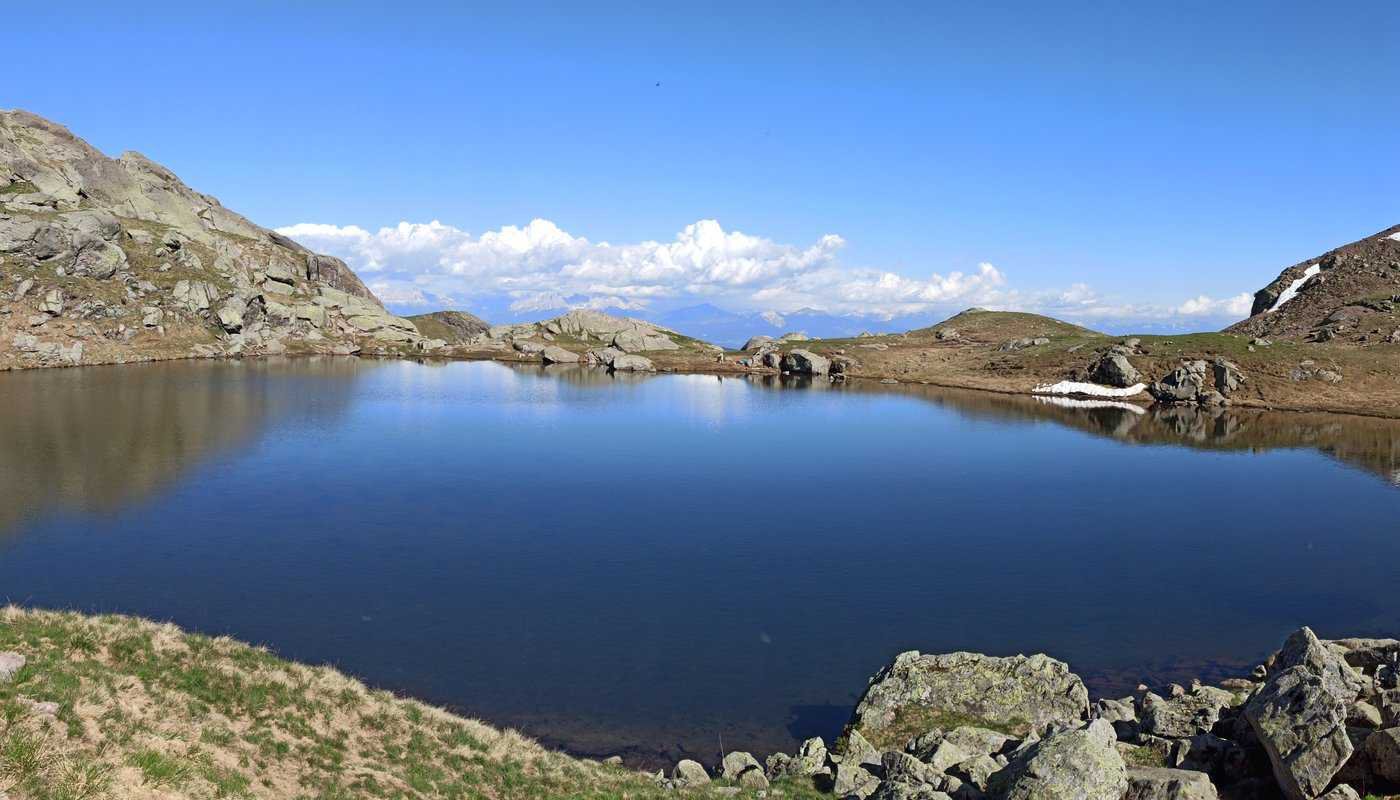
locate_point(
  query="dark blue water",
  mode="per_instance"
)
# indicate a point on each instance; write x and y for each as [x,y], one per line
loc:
[643,565]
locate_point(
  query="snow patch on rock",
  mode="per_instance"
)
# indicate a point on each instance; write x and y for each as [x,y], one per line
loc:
[1294,287]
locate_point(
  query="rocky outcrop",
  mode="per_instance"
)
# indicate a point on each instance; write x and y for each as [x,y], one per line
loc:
[1299,716]
[1346,294]
[1078,764]
[126,263]
[453,327]
[1275,732]
[805,362]
[1015,695]
[1200,383]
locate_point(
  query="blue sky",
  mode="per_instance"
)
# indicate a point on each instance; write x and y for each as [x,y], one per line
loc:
[1108,162]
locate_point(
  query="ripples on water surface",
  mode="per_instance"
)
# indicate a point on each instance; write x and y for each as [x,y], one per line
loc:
[641,564]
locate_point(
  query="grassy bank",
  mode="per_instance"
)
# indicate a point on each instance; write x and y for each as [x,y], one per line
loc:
[145,710]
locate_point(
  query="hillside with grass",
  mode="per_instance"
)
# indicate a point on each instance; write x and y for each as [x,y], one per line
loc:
[118,708]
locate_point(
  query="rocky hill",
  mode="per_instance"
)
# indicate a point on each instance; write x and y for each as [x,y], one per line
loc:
[581,336]
[113,260]
[1349,294]
[453,327]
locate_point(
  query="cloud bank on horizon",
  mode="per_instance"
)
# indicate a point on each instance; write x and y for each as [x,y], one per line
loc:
[540,268]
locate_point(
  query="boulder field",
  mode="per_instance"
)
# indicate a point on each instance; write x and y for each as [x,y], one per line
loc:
[1318,719]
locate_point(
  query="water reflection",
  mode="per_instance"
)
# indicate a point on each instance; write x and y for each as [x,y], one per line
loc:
[1368,443]
[98,439]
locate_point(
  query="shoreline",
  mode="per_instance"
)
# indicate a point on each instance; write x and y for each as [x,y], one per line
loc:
[1143,401]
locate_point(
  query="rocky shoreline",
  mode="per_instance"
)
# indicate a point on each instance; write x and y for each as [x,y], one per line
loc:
[1317,719]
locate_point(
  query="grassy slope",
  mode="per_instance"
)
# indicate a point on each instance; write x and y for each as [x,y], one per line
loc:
[149,711]
[1371,382]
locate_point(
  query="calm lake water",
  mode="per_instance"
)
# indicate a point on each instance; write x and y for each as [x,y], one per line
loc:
[643,565]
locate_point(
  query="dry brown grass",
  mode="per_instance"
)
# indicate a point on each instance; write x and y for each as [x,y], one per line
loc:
[150,712]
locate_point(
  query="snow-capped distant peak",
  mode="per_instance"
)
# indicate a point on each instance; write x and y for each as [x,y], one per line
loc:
[1294,287]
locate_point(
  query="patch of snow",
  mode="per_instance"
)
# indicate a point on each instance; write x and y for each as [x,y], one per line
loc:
[1395,236]
[1293,288]
[1074,402]
[1089,389]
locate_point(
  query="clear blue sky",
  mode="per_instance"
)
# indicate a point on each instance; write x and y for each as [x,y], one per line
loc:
[1155,152]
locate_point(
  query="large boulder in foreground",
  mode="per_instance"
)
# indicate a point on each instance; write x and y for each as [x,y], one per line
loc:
[1300,714]
[919,692]
[1078,764]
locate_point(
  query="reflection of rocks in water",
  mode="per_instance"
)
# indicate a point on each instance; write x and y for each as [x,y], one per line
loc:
[1369,443]
[99,438]
[1197,423]
[581,374]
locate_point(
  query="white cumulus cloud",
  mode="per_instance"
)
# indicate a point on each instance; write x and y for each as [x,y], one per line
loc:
[539,267]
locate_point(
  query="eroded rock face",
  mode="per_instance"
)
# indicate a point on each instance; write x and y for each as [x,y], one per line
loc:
[150,268]
[1016,695]
[1078,764]
[1299,716]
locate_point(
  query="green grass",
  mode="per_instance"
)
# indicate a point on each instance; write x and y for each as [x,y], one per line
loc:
[159,769]
[146,708]
[19,187]
[911,721]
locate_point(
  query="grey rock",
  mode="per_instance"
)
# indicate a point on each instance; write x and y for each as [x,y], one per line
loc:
[527,347]
[1383,751]
[1299,716]
[1077,764]
[633,363]
[904,768]
[1017,694]
[976,771]
[853,780]
[1157,783]
[1362,714]
[690,773]
[641,339]
[1342,792]
[1114,369]
[859,751]
[231,317]
[553,354]
[735,764]
[1183,716]
[947,334]
[805,362]
[1228,376]
[52,303]
[756,342]
[10,665]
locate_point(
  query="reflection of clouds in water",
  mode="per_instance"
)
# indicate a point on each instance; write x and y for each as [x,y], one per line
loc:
[709,398]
